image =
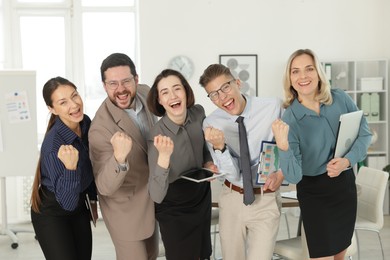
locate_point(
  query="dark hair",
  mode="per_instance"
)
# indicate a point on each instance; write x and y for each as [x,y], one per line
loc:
[50,86]
[213,71]
[115,60]
[152,99]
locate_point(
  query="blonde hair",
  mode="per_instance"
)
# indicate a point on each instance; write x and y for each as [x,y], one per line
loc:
[290,94]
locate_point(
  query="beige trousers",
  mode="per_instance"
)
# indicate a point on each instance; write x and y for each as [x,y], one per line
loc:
[248,232]
[138,250]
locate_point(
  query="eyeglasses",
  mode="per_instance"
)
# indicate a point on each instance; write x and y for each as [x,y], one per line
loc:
[226,87]
[115,84]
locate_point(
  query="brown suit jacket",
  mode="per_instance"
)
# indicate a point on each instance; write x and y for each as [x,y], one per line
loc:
[127,209]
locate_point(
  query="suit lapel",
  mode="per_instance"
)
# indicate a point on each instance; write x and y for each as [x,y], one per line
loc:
[126,124]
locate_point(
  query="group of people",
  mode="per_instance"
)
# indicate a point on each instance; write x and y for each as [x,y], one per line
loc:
[132,155]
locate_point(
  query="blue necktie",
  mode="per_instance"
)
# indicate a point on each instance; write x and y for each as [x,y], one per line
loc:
[245,166]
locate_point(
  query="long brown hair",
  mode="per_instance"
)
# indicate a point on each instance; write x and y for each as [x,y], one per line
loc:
[50,86]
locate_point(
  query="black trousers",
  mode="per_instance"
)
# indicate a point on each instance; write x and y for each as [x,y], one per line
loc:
[63,235]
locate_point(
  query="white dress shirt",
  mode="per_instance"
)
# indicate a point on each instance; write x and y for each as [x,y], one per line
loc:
[259,113]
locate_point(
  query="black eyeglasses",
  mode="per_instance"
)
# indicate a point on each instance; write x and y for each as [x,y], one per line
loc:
[115,84]
[225,88]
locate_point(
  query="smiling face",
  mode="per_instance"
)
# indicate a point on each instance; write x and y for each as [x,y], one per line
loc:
[121,86]
[232,101]
[172,96]
[68,105]
[304,77]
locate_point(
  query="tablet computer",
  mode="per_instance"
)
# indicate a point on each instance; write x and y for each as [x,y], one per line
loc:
[200,175]
[349,125]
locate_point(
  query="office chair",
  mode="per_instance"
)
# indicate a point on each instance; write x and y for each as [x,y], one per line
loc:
[293,248]
[216,187]
[371,185]
[161,248]
[215,231]
[284,214]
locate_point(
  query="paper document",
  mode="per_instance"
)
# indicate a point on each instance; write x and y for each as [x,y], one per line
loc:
[290,194]
[268,161]
[17,107]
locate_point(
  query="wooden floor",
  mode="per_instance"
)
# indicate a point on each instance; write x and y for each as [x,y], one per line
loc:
[103,249]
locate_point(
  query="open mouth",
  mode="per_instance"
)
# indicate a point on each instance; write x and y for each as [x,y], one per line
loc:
[76,113]
[304,84]
[175,104]
[229,104]
[122,97]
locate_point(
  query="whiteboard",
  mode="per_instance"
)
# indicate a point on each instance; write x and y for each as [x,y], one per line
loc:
[18,123]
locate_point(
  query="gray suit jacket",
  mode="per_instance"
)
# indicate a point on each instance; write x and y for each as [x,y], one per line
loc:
[124,200]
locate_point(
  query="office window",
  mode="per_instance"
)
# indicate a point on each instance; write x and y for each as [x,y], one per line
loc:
[43,50]
[107,30]
[107,3]
[67,38]
[1,36]
[40,1]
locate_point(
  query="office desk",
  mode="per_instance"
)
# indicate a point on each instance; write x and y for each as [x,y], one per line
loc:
[286,203]
[289,203]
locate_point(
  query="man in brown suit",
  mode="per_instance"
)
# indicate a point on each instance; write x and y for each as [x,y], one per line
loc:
[118,152]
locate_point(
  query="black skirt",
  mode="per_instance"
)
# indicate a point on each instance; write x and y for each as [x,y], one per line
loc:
[328,208]
[184,218]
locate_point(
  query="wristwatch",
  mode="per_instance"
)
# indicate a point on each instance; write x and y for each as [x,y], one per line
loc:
[122,167]
[220,151]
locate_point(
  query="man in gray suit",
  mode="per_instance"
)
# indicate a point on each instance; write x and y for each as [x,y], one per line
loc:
[118,151]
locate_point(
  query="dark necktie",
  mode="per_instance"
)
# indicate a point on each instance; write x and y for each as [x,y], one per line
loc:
[245,166]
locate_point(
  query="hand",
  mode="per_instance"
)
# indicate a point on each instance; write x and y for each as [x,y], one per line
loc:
[69,156]
[215,137]
[336,166]
[122,144]
[212,167]
[280,130]
[273,181]
[164,146]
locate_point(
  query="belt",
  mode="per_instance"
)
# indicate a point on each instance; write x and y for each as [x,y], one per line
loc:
[241,190]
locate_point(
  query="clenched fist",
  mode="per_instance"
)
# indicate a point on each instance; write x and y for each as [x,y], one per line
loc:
[122,144]
[215,137]
[164,146]
[69,156]
[280,131]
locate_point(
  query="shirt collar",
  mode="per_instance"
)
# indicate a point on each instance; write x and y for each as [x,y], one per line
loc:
[300,111]
[246,112]
[138,106]
[174,128]
[66,133]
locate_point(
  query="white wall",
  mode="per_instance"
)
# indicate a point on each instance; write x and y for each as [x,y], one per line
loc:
[272,29]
